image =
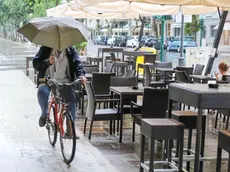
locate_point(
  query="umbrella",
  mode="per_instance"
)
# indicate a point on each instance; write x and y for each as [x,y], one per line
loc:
[55,32]
[212,3]
[66,10]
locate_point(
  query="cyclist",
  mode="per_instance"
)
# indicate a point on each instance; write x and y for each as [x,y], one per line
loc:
[64,66]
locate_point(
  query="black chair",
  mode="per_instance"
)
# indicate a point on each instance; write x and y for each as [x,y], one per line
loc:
[119,68]
[154,105]
[130,73]
[94,114]
[101,84]
[198,69]
[188,70]
[109,67]
[223,143]
[91,68]
[123,81]
[181,77]
[148,76]
[96,61]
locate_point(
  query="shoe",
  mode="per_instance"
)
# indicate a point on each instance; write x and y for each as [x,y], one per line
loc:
[42,121]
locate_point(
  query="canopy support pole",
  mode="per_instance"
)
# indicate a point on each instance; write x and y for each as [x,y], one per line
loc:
[216,42]
[141,31]
[181,58]
[162,37]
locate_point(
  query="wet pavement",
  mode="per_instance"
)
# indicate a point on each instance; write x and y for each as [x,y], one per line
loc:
[24,147]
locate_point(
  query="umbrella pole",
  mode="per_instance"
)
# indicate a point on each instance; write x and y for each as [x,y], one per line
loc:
[181,58]
[162,37]
[216,42]
[141,31]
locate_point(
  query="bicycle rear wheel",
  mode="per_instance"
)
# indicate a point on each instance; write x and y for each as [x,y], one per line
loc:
[52,127]
[67,137]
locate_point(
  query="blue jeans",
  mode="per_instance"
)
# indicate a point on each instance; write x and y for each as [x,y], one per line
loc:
[43,97]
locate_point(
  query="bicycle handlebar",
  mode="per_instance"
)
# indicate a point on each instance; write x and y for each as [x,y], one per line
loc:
[61,84]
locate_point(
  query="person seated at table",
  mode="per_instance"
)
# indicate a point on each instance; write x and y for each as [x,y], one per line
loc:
[223,70]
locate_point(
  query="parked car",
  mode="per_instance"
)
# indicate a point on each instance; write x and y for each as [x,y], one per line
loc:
[167,41]
[103,40]
[111,40]
[150,41]
[97,40]
[175,44]
[117,41]
[132,42]
[143,39]
[123,41]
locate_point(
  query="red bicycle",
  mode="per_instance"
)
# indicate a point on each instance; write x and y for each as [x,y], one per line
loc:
[60,120]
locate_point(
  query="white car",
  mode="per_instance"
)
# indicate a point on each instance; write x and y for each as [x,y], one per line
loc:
[133,42]
[110,41]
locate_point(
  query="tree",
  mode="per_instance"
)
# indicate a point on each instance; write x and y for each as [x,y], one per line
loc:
[193,27]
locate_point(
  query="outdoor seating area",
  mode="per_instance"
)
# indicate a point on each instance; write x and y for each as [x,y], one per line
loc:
[113,95]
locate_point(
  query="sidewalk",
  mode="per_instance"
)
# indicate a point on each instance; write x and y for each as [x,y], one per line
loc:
[24,146]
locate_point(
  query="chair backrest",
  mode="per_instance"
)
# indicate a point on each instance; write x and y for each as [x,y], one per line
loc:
[188,70]
[163,65]
[101,83]
[123,81]
[112,56]
[226,78]
[147,75]
[120,67]
[155,103]
[181,77]
[91,68]
[150,58]
[109,67]
[198,69]
[91,106]
[130,73]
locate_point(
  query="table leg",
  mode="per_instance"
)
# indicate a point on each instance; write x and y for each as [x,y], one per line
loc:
[103,61]
[170,104]
[121,113]
[142,157]
[198,141]
[165,80]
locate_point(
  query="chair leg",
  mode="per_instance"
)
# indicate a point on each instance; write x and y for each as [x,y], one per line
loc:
[117,126]
[151,163]
[142,157]
[90,130]
[189,147]
[133,138]
[218,162]
[217,116]
[82,105]
[85,125]
[227,122]
[110,127]
[114,128]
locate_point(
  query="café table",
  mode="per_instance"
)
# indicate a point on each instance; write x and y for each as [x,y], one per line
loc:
[202,97]
[123,92]
[201,78]
[165,71]
[132,53]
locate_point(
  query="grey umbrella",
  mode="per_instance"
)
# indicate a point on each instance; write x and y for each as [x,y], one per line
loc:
[55,32]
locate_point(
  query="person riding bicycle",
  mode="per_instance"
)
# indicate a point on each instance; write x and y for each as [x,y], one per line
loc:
[64,66]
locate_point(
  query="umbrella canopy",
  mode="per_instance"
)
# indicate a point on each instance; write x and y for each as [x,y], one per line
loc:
[212,3]
[143,8]
[66,10]
[55,32]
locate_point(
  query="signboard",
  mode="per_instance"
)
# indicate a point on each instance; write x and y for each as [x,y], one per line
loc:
[187,18]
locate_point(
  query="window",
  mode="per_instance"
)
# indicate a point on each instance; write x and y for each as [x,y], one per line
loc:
[176,31]
[213,31]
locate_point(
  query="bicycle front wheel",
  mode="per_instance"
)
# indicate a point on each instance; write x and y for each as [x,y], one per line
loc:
[52,127]
[67,137]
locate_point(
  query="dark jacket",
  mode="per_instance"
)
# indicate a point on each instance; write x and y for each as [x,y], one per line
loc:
[41,62]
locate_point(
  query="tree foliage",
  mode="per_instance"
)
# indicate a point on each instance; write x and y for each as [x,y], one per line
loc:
[193,27]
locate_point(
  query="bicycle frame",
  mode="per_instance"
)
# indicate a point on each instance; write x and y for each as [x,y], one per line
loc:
[58,115]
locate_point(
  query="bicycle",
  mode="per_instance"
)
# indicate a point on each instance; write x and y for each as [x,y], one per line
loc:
[60,120]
